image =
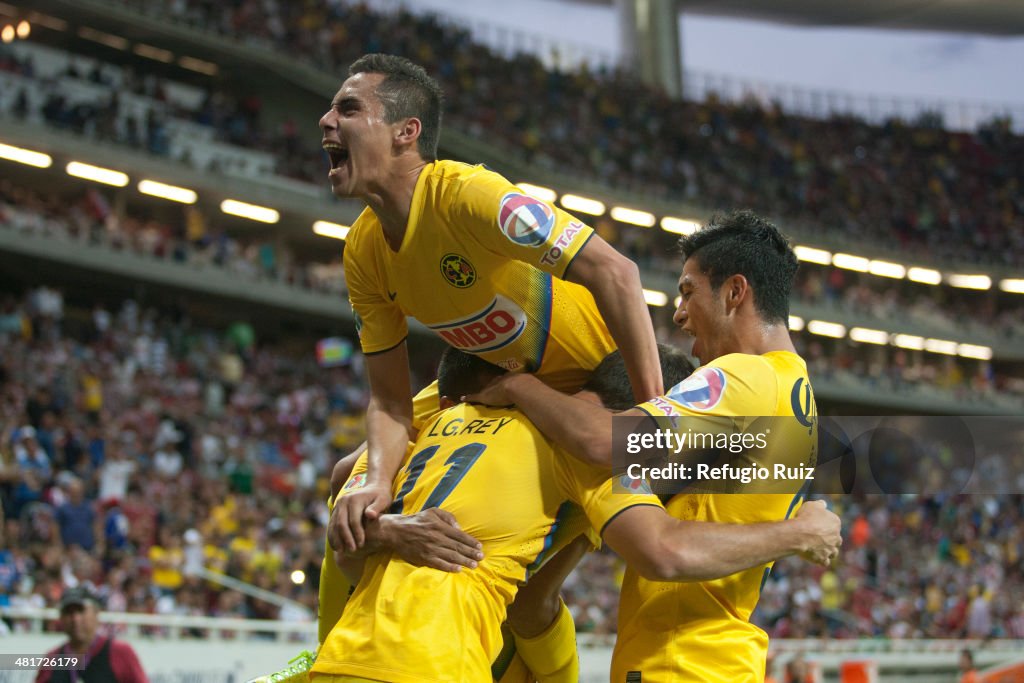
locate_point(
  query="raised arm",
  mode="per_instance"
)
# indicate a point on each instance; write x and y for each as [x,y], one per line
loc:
[662,548]
[388,421]
[614,281]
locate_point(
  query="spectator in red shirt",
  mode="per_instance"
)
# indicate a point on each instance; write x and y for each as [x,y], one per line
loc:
[105,659]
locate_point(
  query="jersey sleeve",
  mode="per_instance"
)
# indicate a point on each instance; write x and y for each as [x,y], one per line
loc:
[505,220]
[591,488]
[380,323]
[729,387]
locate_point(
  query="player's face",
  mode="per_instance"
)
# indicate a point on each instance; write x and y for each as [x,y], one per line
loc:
[700,312]
[356,137]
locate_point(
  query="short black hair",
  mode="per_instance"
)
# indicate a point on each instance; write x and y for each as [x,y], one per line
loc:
[610,381]
[743,243]
[460,373]
[406,92]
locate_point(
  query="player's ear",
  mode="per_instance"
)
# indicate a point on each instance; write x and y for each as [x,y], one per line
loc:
[408,132]
[736,290]
[446,403]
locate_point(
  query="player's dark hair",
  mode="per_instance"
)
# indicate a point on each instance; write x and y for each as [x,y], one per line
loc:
[406,92]
[460,373]
[743,243]
[610,381]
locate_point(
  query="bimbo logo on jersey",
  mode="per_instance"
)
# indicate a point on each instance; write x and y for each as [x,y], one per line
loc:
[500,323]
[700,391]
[525,220]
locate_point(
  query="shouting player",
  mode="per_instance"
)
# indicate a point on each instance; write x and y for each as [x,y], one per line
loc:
[489,269]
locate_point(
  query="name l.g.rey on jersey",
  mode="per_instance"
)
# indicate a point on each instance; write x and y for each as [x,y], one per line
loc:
[457,426]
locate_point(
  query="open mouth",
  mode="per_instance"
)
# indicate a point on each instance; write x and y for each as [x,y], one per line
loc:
[337,154]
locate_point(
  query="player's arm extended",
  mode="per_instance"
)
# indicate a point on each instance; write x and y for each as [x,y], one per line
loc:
[582,428]
[614,281]
[662,548]
[431,538]
[388,421]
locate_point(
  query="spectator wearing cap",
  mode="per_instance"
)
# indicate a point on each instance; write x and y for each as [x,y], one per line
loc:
[105,659]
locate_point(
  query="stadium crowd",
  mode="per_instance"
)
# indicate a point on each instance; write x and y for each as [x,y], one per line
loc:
[952,195]
[134,449]
[186,237]
[189,237]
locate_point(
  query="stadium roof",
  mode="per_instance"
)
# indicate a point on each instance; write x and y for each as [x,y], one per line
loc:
[993,17]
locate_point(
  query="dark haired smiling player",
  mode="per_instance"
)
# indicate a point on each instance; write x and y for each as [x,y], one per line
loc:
[734,300]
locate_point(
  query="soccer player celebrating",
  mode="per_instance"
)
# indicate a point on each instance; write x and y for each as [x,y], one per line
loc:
[489,269]
[510,489]
[734,300]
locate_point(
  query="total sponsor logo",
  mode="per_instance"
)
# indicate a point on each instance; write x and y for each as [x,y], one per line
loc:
[634,485]
[552,255]
[356,482]
[664,406]
[525,220]
[498,324]
[702,390]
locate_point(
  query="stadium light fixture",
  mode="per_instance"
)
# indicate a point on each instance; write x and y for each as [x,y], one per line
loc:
[97,174]
[574,202]
[940,346]
[23,30]
[298,577]
[826,329]
[925,276]
[545,194]
[865,335]
[52,23]
[887,269]
[654,297]
[174,193]
[1012,285]
[155,53]
[25,156]
[974,351]
[796,323]
[328,229]
[679,226]
[908,341]
[7,34]
[108,39]
[969,281]
[644,219]
[198,65]
[253,212]
[812,255]
[850,262]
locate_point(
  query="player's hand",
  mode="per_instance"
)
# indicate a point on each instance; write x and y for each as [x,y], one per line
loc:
[821,527]
[346,529]
[432,538]
[498,392]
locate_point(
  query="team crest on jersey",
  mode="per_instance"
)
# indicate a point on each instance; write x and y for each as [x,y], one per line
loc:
[700,391]
[356,482]
[525,220]
[458,271]
[634,485]
[496,325]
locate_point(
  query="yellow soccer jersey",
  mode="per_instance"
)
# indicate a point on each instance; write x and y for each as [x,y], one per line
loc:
[702,631]
[480,266]
[493,470]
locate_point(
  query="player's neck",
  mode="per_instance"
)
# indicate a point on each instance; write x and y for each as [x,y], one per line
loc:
[391,200]
[764,340]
